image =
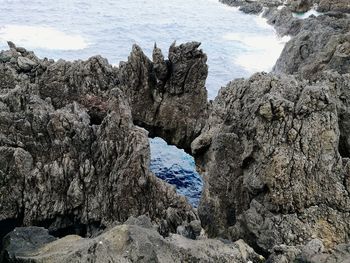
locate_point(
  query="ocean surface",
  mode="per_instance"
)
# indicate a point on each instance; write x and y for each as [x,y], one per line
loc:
[236,44]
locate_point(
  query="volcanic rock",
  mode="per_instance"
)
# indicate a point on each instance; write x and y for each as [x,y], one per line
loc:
[130,242]
[271,162]
[168,97]
[71,158]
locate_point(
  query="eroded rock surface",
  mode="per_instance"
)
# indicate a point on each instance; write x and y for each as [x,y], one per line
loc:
[271,161]
[322,43]
[168,97]
[71,158]
[131,242]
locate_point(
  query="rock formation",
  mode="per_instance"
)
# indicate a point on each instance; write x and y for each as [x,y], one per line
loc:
[331,5]
[274,153]
[273,150]
[272,165]
[134,241]
[322,43]
[168,97]
[71,158]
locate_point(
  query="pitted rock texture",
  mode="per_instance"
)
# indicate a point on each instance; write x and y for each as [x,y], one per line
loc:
[312,252]
[270,158]
[168,97]
[70,155]
[130,242]
[322,43]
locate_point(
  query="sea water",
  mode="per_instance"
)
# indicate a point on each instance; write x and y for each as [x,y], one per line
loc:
[236,44]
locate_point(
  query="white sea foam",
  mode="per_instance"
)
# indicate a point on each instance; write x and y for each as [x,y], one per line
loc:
[307,14]
[261,52]
[261,21]
[41,37]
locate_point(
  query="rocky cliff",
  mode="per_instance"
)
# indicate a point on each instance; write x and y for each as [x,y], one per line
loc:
[273,151]
[71,157]
[270,155]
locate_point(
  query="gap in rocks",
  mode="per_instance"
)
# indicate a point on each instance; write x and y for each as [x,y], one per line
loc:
[67,225]
[96,117]
[344,147]
[177,168]
[344,141]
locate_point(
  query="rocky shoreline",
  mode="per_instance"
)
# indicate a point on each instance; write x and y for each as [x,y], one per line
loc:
[273,150]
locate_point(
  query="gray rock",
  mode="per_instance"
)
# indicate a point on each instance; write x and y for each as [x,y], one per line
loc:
[71,158]
[331,5]
[168,97]
[251,8]
[24,241]
[25,63]
[124,243]
[323,43]
[270,159]
[300,6]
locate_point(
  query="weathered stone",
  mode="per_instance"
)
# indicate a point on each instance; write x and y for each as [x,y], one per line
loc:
[71,158]
[25,63]
[331,5]
[272,168]
[323,43]
[168,97]
[124,243]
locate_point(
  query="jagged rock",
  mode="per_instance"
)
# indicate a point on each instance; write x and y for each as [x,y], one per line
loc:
[70,157]
[168,97]
[283,21]
[124,243]
[323,43]
[271,164]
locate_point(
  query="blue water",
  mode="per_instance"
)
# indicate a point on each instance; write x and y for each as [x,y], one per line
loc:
[236,45]
[177,168]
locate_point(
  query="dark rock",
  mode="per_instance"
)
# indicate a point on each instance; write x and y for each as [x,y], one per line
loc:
[24,241]
[168,97]
[283,21]
[11,45]
[264,3]
[71,159]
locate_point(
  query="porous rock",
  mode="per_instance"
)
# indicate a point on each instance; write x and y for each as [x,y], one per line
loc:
[270,158]
[168,97]
[71,158]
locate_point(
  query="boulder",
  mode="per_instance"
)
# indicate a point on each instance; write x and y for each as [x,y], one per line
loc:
[123,243]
